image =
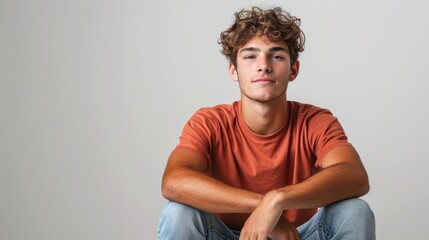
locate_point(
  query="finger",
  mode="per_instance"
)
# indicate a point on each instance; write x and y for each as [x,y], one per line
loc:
[242,236]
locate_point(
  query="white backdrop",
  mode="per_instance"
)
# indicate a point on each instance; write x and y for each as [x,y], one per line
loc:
[94,94]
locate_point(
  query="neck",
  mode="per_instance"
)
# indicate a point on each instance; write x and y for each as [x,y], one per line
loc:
[264,118]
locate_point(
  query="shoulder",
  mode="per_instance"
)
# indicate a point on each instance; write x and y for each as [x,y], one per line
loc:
[307,111]
[314,119]
[221,112]
[210,120]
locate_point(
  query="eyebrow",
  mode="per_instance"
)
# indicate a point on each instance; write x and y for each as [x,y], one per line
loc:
[255,49]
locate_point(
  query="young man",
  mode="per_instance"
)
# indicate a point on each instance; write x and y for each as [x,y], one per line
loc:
[264,167]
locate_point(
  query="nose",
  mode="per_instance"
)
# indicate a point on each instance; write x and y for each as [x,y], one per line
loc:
[264,66]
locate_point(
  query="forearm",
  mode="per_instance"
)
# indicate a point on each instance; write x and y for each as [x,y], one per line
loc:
[196,189]
[332,184]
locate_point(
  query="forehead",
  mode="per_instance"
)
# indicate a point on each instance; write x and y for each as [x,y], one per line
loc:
[262,43]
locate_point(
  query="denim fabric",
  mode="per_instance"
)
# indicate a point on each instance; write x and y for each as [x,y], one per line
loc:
[350,219]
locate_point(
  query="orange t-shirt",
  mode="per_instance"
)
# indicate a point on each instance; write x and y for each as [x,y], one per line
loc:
[236,156]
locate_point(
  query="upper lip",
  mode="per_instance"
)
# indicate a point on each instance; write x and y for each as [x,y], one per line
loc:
[263,79]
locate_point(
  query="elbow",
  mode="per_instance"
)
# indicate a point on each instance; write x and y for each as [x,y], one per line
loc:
[364,189]
[364,186]
[167,189]
[359,184]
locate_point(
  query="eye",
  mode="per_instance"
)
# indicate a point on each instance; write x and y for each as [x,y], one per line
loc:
[249,57]
[277,57]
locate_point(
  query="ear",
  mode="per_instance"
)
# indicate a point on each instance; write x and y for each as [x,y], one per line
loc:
[232,71]
[294,70]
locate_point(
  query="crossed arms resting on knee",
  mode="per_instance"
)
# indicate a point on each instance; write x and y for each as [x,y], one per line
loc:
[185,182]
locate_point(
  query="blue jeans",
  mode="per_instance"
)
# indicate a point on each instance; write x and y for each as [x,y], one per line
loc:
[350,219]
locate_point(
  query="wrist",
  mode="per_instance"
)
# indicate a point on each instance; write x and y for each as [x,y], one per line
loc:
[276,199]
[256,201]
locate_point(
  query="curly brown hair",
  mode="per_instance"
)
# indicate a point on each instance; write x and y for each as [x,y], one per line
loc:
[274,23]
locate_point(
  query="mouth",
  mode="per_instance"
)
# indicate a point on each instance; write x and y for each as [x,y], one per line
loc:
[263,80]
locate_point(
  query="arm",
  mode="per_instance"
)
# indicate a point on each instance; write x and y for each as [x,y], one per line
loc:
[342,176]
[184,181]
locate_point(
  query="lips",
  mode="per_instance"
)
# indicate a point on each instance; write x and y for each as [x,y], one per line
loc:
[263,80]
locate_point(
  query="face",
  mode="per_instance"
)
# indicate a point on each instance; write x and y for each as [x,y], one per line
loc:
[263,70]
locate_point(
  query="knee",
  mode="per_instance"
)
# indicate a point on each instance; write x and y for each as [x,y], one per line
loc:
[354,210]
[354,206]
[176,213]
[348,219]
[179,221]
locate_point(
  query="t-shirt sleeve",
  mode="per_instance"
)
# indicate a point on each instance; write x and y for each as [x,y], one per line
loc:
[197,136]
[325,134]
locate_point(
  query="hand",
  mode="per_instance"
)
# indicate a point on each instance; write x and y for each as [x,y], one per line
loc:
[267,221]
[284,230]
